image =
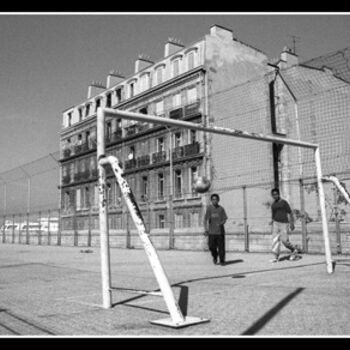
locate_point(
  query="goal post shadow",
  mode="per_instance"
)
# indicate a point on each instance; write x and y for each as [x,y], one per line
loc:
[177,319]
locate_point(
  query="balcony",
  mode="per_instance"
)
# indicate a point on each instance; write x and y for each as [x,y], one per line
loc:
[159,157]
[131,130]
[67,153]
[186,151]
[191,109]
[176,113]
[66,180]
[142,127]
[192,149]
[81,176]
[130,164]
[115,136]
[81,148]
[143,160]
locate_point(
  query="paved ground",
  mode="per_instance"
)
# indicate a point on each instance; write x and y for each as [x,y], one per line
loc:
[56,291]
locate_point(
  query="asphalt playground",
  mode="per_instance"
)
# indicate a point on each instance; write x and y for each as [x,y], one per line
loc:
[50,291]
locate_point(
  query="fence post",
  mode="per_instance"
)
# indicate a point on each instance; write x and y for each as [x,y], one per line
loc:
[39,231]
[337,223]
[3,229]
[75,228]
[27,229]
[303,217]
[48,227]
[245,220]
[13,228]
[19,228]
[59,228]
[128,238]
[89,228]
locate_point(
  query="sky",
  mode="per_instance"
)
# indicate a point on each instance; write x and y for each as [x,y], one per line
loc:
[47,61]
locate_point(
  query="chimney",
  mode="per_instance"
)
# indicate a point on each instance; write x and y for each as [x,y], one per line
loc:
[113,78]
[95,88]
[142,62]
[287,58]
[173,45]
[221,32]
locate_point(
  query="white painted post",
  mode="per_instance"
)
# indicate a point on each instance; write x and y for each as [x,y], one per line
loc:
[159,272]
[321,196]
[177,318]
[104,239]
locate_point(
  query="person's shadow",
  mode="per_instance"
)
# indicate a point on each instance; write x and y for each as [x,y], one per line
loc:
[230,262]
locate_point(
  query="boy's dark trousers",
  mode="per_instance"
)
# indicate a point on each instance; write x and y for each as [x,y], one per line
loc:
[217,246]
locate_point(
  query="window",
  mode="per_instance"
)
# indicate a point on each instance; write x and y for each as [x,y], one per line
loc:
[194,219]
[160,186]
[80,139]
[160,144]
[87,137]
[160,108]
[191,95]
[144,82]
[66,200]
[80,110]
[131,154]
[179,221]
[193,136]
[177,139]
[144,110]
[176,67]
[131,89]
[193,176]
[78,199]
[178,183]
[108,100]
[96,195]
[87,197]
[87,110]
[161,221]
[159,75]
[97,104]
[118,95]
[109,130]
[177,100]
[190,60]
[69,118]
[144,190]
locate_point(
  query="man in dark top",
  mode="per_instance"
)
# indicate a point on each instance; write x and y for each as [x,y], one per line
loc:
[282,221]
[214,220]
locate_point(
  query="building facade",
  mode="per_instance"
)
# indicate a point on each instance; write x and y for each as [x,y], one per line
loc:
[216,80]
[182,85]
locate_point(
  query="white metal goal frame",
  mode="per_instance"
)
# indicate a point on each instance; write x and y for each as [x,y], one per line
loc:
[177,319]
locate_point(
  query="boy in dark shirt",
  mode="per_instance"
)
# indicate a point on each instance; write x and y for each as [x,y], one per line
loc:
[282,221]
[214,220]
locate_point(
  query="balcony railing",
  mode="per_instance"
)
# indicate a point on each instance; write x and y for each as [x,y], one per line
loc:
[159,157]
[130,130]
[130,164]
[144,160]
[186,151]
[67,153]
[115,136]
[191,149]
[176,113]
[192,108]
[66,180]
[81,148]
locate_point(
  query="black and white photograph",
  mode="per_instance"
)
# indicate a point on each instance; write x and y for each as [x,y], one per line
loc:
[174,175]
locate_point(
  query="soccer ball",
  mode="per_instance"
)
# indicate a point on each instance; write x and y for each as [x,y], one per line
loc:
[201,184]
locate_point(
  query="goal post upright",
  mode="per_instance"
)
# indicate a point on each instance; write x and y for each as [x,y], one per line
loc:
[103,215]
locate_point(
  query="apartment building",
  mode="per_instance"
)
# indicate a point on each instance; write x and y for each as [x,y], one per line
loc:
[185,84]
